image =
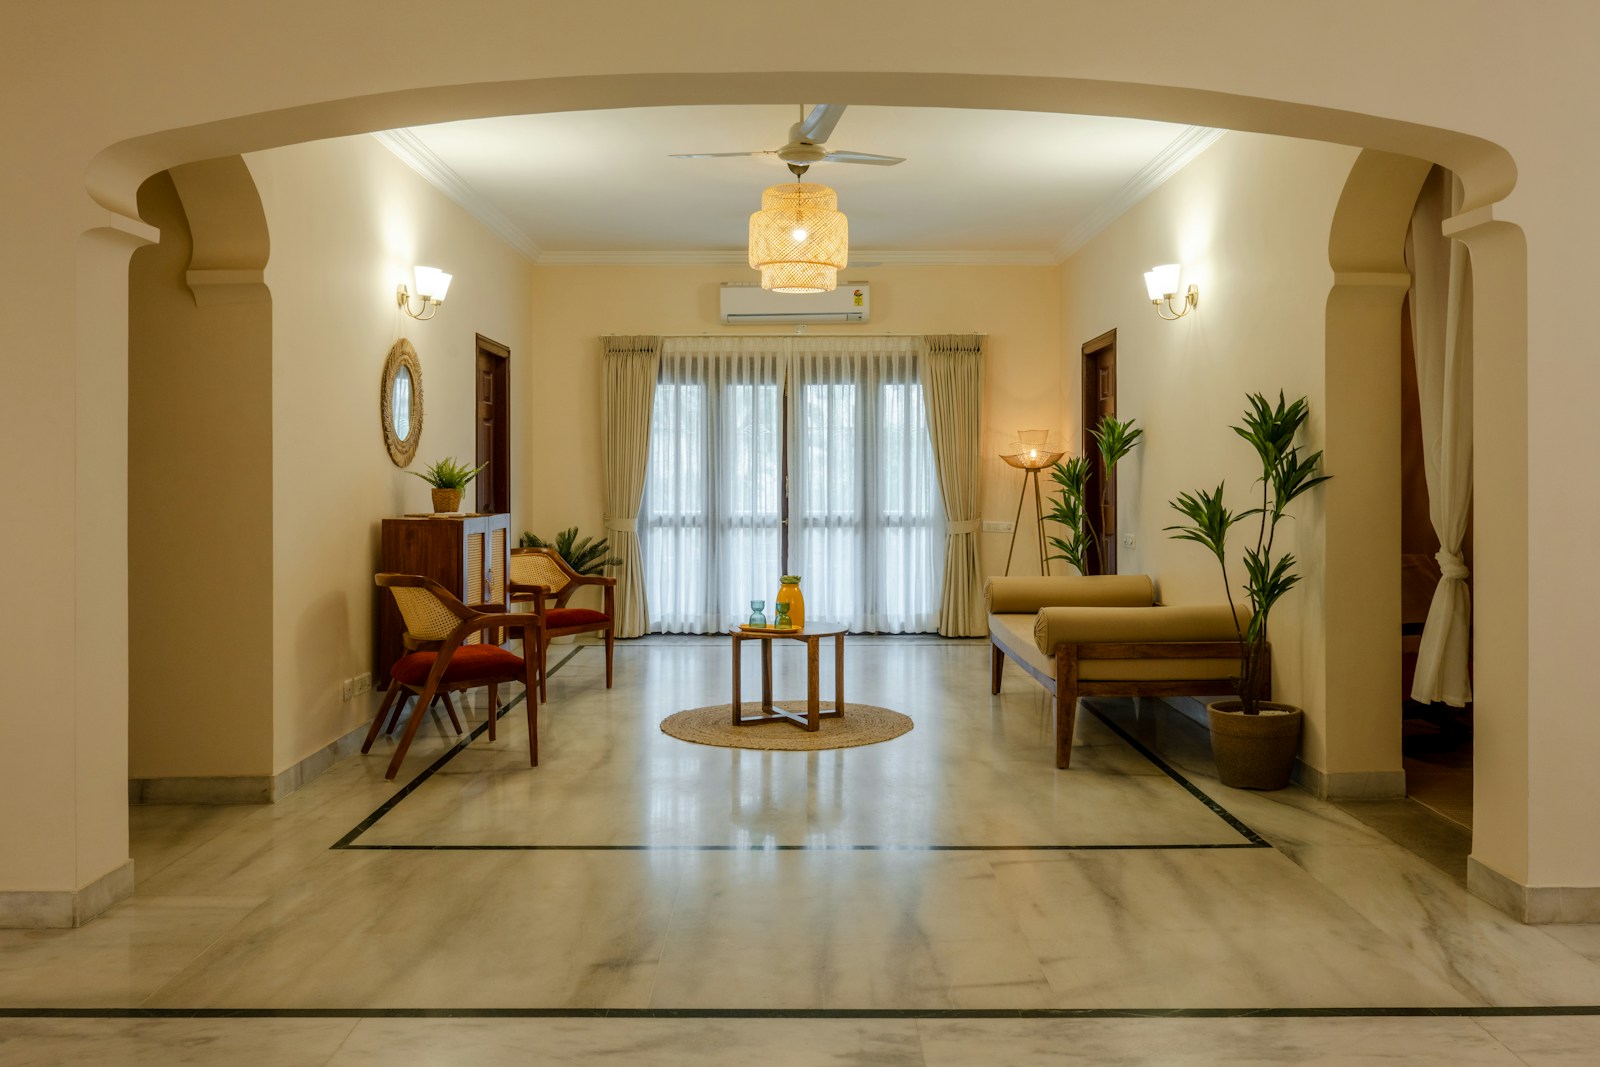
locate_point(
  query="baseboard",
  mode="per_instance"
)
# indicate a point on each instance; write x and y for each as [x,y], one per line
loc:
[39,910]
[1348,785]
[1535,904]
[245,789]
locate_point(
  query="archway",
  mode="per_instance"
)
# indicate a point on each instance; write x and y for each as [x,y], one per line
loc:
[1486,170]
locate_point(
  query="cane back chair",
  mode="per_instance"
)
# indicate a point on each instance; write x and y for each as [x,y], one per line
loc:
[439,662]
[540,576]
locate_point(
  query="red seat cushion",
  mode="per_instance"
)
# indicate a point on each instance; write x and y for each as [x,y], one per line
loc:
[468,662]
[557,618]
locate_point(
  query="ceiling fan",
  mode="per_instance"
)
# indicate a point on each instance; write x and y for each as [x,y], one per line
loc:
[805,147]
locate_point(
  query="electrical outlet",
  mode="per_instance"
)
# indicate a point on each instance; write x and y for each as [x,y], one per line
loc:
[349,689]
[1129,541]
[996,526]
[363,683]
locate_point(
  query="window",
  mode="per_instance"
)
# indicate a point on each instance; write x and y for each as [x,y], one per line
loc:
[865,527]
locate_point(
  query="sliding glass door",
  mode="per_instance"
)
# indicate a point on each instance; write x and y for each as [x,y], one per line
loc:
[864,520]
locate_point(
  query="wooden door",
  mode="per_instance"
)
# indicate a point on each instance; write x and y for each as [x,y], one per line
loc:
[1100,499]
[492,401]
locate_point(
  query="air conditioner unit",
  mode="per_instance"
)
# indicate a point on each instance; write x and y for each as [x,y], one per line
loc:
[753,305]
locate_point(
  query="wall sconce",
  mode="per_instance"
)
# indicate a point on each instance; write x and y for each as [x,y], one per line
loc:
[432,284]
[1161,283]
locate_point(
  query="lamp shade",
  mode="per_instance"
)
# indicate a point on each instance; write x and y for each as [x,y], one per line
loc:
[432,283]
[1161,282]
[799,239]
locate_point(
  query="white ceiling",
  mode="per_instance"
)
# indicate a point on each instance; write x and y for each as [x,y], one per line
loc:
[977,186]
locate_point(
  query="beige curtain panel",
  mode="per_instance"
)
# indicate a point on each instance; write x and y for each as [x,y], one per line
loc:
[631,367]
[1441,321]
[951,367]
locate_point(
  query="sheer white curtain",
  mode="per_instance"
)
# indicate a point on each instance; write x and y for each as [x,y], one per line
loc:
[866,526]
[709,520]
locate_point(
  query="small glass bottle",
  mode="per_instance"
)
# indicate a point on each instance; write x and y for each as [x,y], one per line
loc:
[757,616]
[782,622]
[789,593]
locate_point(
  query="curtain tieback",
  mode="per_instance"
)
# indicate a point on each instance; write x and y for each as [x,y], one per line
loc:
[965,526]
[629,525]
[1451,567]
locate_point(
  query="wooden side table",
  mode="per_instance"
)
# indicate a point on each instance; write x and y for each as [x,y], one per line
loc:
[814,714]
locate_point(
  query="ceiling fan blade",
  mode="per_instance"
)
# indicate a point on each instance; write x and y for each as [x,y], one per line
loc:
[714,155]
[863,157]
[818,125]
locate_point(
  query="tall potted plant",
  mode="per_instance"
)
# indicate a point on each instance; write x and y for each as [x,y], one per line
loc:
[1255,740]
[1115,439]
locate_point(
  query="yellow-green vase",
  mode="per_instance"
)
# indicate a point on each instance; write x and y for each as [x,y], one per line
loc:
[789,593]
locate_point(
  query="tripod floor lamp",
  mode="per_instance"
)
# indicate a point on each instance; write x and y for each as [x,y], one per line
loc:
[1032,453]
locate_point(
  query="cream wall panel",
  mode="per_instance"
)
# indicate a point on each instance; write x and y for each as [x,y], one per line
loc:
[347,221]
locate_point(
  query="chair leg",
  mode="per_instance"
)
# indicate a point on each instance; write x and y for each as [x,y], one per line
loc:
[610,641]
[399,710]
[494,708]
[1066,702]
[451,708]
[395,689]
[544,679]
[528,685]
[424,701]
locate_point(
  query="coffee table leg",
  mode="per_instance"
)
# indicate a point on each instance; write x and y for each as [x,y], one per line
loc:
[838,673]
[766,676]
[813,683]
[738,653]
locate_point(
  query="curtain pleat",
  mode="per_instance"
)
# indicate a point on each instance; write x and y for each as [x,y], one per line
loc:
[864,529]
[952,390]
[1441,316]
[631,368]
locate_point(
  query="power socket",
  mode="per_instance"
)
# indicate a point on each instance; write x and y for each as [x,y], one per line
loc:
[363,683]
[1129,541]
[349,688]
[998,526]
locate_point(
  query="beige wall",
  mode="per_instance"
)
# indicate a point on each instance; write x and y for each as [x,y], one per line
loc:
[199,516]
[1018,307]
[104,100]
[348,220]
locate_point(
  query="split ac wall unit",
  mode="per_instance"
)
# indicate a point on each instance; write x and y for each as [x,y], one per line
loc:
[752,305]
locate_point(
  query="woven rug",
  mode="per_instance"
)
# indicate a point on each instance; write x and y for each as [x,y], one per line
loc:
[861,724]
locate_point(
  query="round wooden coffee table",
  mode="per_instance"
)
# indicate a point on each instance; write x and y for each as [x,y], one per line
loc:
[814,713]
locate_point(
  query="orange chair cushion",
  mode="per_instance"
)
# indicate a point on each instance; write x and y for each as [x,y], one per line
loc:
[468,662]
[557,618]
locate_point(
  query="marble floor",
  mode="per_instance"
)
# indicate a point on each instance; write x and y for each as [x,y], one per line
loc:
[947,897]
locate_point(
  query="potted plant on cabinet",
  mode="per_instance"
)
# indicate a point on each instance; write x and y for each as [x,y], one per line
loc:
[1255,740]
[448,479]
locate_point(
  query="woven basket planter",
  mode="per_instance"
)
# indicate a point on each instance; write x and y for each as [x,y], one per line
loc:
[1254,751]
[446,500]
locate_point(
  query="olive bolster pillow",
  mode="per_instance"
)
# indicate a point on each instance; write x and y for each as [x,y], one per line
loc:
[1057,626]
[1024,596]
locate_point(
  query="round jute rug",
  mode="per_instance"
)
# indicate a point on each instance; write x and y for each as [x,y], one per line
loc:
[861,724]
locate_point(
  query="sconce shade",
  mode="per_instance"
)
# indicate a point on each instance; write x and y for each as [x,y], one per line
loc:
[432,283]
[799,239]
[1162,281]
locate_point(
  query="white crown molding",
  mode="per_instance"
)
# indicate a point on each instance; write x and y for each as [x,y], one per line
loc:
[860,258]
[1169,161]
[410,150]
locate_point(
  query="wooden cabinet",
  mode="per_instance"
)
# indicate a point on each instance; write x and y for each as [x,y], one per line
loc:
[467,554]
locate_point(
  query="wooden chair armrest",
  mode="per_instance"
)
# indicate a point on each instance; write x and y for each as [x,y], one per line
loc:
[593,579]
[488,607]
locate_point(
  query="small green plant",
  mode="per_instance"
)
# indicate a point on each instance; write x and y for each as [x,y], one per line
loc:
[1115,438]
[586,556]
[1285,475]
[448,474]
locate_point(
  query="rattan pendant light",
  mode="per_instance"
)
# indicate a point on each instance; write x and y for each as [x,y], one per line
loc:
[799,239]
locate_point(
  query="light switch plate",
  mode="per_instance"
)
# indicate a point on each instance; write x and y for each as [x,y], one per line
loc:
[998,526]
[349,688]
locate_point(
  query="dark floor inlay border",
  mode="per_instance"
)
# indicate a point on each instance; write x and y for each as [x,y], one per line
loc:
[1530,1011]
[1251,838]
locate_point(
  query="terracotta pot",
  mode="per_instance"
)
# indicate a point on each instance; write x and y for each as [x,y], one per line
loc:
[1254,751]
[445,500]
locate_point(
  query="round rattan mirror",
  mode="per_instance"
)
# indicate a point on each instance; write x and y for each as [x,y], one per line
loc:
[400,402]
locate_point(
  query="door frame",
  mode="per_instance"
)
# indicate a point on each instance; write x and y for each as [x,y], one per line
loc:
[498,484]
[1104,560]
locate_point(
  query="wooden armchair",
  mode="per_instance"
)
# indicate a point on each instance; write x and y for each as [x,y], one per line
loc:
[537,575]
[437,625]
